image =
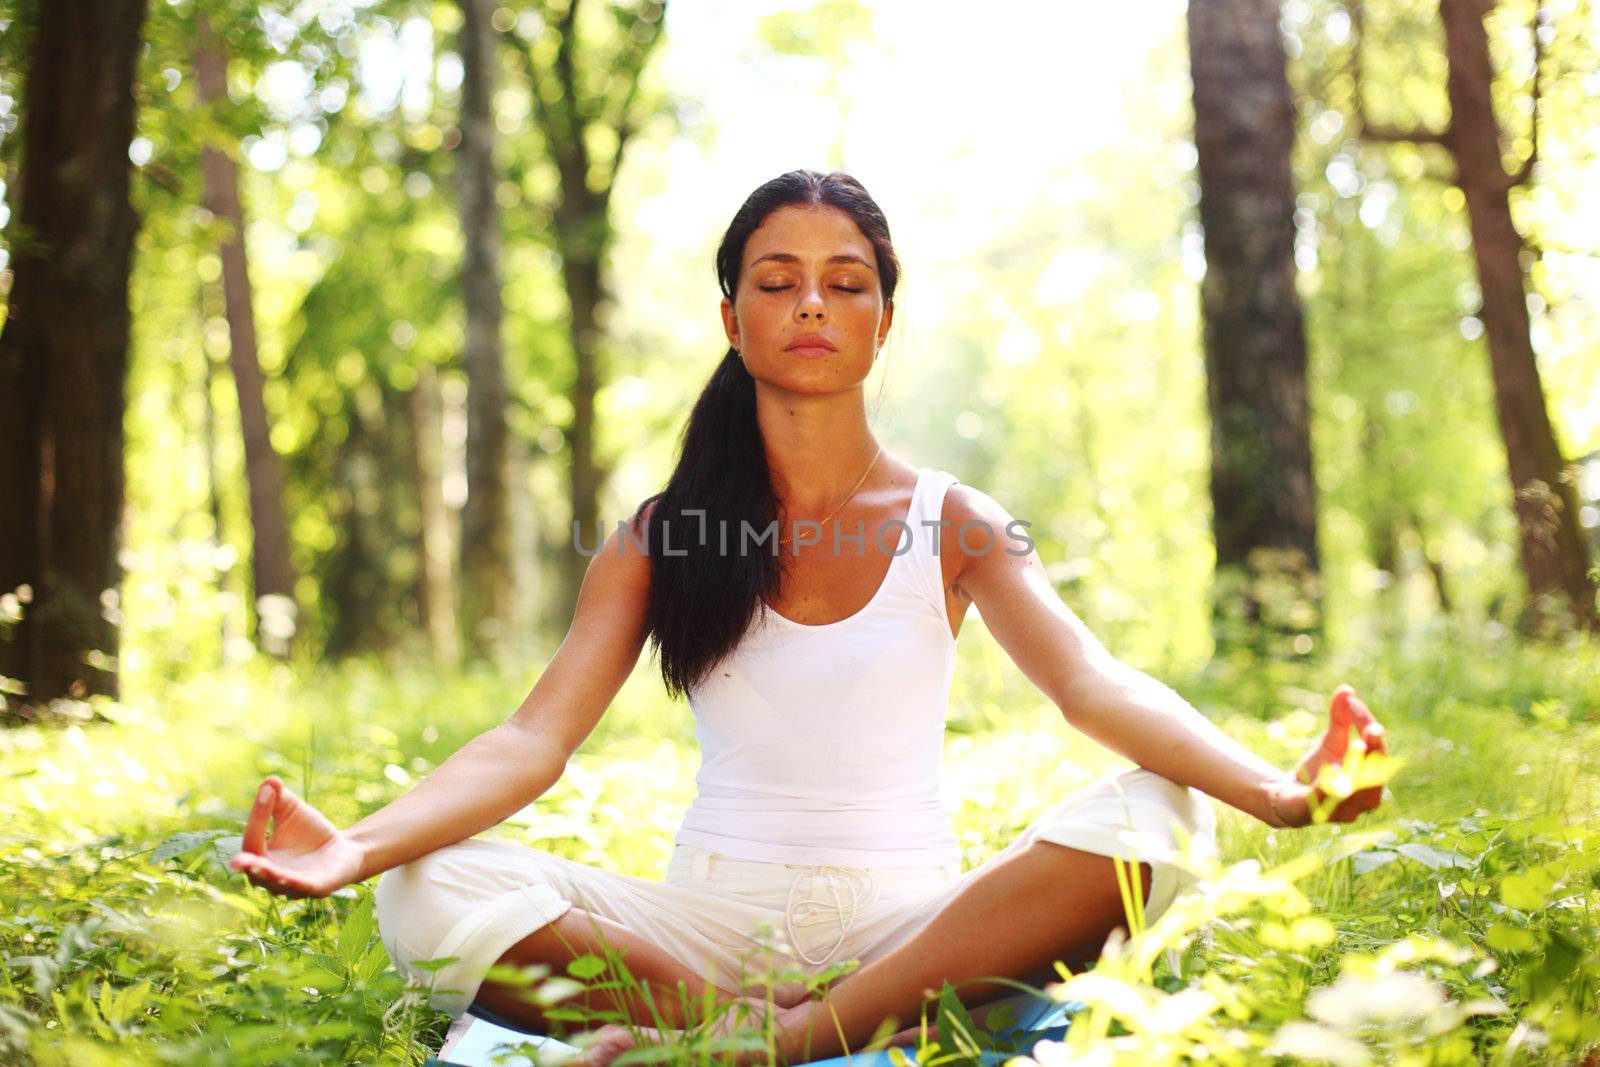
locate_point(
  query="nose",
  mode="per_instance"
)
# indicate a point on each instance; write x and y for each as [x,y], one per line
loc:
[810,305]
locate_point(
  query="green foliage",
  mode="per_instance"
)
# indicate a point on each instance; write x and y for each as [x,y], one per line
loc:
[1457,928]
[1411,469]
[1070,387]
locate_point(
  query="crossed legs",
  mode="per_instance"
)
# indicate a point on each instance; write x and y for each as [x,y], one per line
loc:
[1044,903]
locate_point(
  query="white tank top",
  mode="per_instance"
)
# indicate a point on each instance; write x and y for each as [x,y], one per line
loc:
[823,744]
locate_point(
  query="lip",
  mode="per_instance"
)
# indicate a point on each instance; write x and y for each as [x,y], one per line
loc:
[811,345]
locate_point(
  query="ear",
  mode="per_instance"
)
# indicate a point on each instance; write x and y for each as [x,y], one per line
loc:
[888,318]
[730,323]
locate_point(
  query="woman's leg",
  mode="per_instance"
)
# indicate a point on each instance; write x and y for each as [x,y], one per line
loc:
[1051,894]
[483,902]
[580,932]
[1014,918]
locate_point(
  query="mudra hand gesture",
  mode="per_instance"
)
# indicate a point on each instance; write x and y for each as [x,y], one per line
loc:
[1338,780]
[307,857]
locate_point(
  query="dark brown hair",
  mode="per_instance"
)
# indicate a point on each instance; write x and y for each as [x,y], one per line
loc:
[703,600]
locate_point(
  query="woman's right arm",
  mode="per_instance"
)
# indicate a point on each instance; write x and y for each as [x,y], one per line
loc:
[491,777]
[496,774]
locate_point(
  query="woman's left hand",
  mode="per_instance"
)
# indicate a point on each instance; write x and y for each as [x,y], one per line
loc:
[1351,728]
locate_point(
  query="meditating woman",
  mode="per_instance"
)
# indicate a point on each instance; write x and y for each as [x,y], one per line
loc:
[803,587]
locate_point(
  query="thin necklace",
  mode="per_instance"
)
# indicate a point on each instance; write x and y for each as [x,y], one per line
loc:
[852,492]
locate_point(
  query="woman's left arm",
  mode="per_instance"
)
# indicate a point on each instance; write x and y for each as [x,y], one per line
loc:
[1123,708]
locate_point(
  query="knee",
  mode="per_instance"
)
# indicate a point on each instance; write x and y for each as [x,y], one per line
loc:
[1145,784]
[417,904]
[1188,808]
[449,901]
[406,912]
[394,894]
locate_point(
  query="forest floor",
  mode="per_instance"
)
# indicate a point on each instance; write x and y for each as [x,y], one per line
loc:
[1457,924]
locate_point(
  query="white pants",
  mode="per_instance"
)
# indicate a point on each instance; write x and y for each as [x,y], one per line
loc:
[729,919]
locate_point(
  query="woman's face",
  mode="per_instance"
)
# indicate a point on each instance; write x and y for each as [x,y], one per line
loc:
[808,270]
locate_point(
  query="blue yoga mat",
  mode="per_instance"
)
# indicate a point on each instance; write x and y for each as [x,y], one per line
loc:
[475,1036]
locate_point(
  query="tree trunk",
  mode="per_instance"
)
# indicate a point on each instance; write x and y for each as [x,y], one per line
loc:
[352,588]
[485,523]
[1262,486]
[370,577]
[271,567]
[1554,555]
[526,541]
[566,108]
[581,269]
[208,377]
[64,350]
[1435,564]
[434,587]
[23,397]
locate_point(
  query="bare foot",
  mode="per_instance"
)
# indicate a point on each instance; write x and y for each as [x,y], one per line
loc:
[613,1039]
[608,1042]
[784,994]
[911,1035]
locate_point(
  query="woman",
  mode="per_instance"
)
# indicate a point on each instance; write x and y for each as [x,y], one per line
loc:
[818,678]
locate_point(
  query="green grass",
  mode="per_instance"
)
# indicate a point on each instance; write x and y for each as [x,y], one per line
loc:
[1456,925]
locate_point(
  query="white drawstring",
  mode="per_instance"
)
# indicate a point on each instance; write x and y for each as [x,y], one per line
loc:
[822,908]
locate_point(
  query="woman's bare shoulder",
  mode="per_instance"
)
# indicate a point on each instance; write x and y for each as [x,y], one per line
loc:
[634,547]
[976,526]
[971,507]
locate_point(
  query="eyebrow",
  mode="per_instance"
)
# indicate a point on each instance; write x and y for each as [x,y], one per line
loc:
[789,257]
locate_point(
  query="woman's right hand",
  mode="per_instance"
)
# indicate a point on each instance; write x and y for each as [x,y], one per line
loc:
[307,857]
[1351,725]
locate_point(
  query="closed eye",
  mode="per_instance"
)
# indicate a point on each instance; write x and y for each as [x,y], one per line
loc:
[781,288]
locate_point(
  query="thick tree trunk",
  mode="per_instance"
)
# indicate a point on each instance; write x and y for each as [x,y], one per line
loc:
[485,523]
[23,396]
[271,567]
[1554,555]
[64,350]
[1262,486]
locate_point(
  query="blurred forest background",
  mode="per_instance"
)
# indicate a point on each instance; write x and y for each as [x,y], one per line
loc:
[412,287]
[326,320]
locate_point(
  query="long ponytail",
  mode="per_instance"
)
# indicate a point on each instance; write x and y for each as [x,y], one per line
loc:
[702,601]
